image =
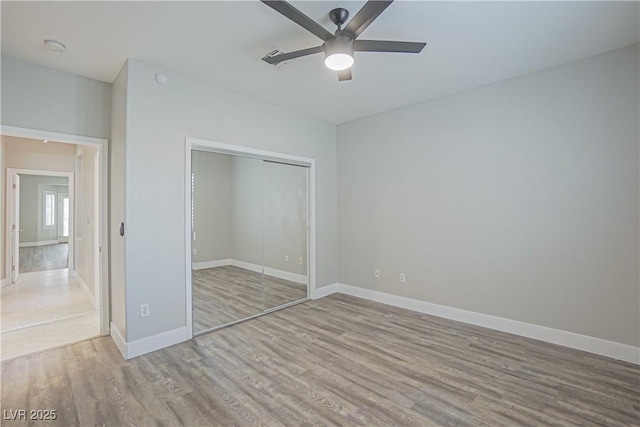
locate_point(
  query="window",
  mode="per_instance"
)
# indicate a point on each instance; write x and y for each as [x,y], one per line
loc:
[49,214]
[65,217]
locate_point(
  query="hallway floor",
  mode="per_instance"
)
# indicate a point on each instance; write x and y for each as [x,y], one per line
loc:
[41,258]
[44,310]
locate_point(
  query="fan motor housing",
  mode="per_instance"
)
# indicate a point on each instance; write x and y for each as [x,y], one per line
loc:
[339,16]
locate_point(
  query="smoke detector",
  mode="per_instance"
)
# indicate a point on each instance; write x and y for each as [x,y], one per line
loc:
[54,46]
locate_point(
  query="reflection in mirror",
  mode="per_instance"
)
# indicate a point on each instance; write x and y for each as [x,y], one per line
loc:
[285,233]
[226,219]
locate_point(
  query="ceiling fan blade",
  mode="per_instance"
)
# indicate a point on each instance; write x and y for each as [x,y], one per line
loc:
[292,55]
[299,18]
[387,46]
[365,16]
[344,75]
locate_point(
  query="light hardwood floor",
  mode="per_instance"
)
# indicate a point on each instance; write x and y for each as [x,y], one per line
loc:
[41,258]
[44,310]
[334,361]
[226,294]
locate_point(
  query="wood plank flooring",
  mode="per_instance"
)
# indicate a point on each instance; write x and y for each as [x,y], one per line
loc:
[41,258]
[334,361]
[223,295]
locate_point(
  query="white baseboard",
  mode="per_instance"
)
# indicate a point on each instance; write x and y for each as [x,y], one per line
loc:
[120,342]
[281,274]
[594,345]
[146,345]
[246,265]
[210,264]
[326,291]
[156,342]
[85,290]
[5,282]
[294,277]
[41,243]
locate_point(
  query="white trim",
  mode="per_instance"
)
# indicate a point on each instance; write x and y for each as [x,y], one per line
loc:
[146,345]
[102,145]
[9,208]
[219,147]
[116,336]
[40,243]
[246,265]
[555,336]
[325,291]
[5,283]
[281,274]
[210,264]
[51,136]
[86,291]
[188,173]
[286,275]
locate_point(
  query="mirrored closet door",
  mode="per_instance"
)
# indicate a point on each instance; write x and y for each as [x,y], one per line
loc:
[249,237]
[284,208]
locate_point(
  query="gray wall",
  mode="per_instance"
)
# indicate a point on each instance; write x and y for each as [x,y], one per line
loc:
[285,217]
[157,122]
[31,193]
[212,206]
[249,210]
[246,210]
[85,233]
[518,199]
[40,98]
[117,201]
[72,104]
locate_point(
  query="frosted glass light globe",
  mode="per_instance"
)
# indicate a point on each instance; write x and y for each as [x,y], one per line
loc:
[338,61]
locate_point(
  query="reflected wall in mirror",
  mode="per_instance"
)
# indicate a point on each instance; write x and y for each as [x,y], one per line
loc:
[285,204]
[249,237]
[226,217]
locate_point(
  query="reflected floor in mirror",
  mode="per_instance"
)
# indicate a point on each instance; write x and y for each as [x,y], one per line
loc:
[226,294]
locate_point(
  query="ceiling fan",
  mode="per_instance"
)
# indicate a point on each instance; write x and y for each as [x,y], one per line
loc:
[340,46]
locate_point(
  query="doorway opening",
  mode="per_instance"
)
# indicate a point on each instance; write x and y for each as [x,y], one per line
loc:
[54,284]
[41,221]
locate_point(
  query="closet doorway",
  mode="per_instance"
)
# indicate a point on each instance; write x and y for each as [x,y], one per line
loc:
[249,233]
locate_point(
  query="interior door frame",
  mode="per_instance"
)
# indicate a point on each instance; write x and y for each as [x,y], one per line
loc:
[103,262]
[239,150]
[13,229]
[11,172]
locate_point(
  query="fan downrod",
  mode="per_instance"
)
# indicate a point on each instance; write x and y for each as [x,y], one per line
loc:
[339,16]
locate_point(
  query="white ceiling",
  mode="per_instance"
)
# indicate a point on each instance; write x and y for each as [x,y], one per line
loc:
[469,44]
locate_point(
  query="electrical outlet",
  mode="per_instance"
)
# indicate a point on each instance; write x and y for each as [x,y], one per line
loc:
[300,261]
[403,278]
[376,273]
[195,251]
[286,258]
[144,310]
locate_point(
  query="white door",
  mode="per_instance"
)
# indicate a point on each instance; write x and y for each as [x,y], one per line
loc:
[63,217]
[15,227]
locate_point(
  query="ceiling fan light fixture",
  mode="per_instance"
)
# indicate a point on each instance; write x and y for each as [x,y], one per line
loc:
[338,53]
[338,61]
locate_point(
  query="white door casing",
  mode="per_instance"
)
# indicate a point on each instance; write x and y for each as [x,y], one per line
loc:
[103,160]
[14,179]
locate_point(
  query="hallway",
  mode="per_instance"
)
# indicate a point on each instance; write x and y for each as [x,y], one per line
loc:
[44,310]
